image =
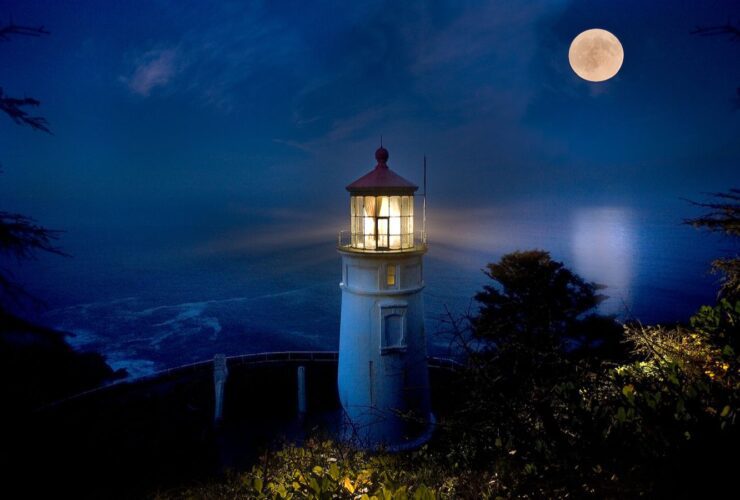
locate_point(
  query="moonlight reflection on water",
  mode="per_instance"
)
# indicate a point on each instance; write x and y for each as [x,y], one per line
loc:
[603,249]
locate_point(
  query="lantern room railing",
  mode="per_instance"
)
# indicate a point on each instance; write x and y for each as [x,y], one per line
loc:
[344,242]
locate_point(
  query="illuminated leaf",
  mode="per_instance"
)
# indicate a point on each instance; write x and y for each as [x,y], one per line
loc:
[282,491]
[348,485]
[314,484]
[334,471]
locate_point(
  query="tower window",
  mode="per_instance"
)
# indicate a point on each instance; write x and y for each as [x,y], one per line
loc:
[392,329]
[390,275]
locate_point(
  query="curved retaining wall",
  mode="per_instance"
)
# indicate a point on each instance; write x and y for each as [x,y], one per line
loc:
[134,437]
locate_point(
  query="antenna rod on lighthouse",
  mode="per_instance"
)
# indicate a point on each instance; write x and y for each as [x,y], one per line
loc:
[424,208]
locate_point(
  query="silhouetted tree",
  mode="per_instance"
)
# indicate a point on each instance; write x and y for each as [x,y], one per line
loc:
[535,340]
[20,236]
[723,216]
[724,212]
[37,365]
[537,302]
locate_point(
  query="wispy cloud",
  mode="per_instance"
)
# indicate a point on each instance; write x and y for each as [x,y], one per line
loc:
[155,68]
[229,48]
[341,130]
[448,64]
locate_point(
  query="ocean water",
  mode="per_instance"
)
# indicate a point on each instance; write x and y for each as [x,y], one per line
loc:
[152,299]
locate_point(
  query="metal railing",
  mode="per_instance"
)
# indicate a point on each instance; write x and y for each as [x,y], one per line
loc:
[243,359]
[419,239]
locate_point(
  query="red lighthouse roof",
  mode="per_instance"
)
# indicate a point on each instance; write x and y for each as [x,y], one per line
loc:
[382,178]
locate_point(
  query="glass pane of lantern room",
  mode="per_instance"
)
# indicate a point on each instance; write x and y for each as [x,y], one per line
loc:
[368,209]
[368,224]
[358,239]
[395,223]
[410,222]
[395,206]
[395,233]
[382,232]
[383,202]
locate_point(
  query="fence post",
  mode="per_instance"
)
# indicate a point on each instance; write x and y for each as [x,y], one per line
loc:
[220,374]
[301,390]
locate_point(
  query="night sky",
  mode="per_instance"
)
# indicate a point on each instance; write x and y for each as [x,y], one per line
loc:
[207,127]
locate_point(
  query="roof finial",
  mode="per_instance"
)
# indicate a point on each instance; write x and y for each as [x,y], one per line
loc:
[381,154]
[381,140]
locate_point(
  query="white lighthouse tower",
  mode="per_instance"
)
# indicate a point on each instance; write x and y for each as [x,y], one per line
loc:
[383,374]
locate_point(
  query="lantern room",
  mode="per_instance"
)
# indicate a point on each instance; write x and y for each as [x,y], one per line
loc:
[381,211]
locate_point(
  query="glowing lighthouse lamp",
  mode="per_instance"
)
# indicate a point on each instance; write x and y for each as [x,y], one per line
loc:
[383,377]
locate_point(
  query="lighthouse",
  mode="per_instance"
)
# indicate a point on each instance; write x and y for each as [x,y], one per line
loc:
[383,377]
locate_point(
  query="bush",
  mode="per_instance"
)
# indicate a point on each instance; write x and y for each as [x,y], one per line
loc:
[325,469]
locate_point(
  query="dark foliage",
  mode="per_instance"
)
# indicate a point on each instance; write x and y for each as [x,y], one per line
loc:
[14,108]
[537,303]
[723,216]
[532,348]
[546,419]
[37,365]
[20,236]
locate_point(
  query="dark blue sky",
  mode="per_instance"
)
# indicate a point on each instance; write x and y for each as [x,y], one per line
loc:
[202,117]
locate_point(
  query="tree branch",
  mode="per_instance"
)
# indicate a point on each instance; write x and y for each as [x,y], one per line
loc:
[14,29]
[724,29]
[723,216]
[20,236]
[13,107]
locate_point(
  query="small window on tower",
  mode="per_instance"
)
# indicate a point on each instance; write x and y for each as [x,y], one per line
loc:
[390,277]
[392,329]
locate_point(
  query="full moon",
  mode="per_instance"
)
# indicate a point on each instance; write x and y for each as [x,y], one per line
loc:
[596,55]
